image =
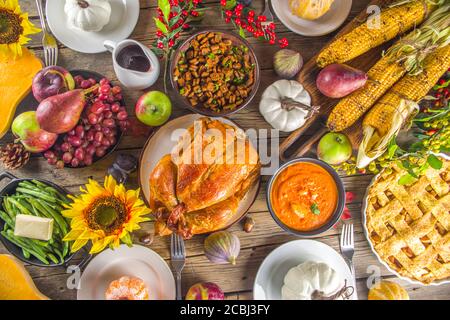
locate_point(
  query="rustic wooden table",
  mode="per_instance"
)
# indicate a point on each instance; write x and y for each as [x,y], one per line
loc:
[236,281]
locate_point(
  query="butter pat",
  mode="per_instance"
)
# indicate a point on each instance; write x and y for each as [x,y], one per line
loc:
[33,227]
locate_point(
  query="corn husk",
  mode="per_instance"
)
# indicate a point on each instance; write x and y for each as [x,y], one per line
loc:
[373,146]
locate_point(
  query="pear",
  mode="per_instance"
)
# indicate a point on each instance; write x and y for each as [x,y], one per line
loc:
[61,113]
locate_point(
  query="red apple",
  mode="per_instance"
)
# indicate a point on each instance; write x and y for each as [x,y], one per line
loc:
[51,81]
[34,139]
[205,291]
[153,108]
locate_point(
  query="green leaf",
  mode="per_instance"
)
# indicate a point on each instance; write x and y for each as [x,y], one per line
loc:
[164,5]
[434,162]
[161,26]
[392,149]
[315,209]
[406,179]
[242,32]
[230,4]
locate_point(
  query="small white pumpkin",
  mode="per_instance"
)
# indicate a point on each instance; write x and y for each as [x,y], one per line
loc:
[88,15]
[286,105]
[313,281]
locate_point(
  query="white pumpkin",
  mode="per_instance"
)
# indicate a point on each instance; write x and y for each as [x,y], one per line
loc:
[310,281]
[88,15]
[286,105]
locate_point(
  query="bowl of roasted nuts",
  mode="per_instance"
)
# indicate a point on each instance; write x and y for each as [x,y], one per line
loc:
[215,73]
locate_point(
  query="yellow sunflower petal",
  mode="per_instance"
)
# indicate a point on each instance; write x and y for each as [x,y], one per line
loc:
[100,244]
[78,244]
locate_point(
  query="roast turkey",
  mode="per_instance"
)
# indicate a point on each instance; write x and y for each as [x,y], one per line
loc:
[198,187]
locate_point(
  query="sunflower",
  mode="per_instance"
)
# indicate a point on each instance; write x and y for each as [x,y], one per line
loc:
[105,215]
[14,28]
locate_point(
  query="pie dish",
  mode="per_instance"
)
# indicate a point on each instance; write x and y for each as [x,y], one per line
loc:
[408,225]
[198,186]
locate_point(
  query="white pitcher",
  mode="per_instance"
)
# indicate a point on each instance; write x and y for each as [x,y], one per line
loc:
[131,79]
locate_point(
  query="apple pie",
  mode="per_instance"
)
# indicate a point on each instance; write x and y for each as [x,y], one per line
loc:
[408,225]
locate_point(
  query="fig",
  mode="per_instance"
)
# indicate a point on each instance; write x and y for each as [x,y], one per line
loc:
[51,81]
[334,148]
[205,291]
[287,63]
[339,80]
[222,247]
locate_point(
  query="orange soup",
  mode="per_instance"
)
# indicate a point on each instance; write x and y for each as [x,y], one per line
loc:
[304,196]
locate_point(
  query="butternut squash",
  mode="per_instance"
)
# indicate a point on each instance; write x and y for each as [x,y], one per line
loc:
[15,282]
[15,83]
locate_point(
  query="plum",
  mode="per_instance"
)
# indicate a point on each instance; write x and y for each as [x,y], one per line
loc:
[339,80]
[51,81]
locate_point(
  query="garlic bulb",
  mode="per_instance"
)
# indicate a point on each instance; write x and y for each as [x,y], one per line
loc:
[88,15]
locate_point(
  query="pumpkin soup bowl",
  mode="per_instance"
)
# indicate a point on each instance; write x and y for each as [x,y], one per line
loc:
[317,197]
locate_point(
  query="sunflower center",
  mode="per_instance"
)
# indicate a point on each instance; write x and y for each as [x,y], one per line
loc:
[107,214]
[10,27]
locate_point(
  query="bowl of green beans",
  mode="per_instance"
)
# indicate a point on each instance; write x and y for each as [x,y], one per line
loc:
[38,198]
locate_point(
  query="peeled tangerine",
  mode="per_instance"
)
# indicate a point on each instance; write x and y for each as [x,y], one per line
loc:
[387,290]
[310,9]
[15,282]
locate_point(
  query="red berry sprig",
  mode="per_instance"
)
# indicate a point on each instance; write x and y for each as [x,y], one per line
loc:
[247,20]
[172,19]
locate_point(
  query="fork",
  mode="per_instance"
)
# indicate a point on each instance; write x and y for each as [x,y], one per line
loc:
[178,259]
[269,20]
[48,40]
[347,245]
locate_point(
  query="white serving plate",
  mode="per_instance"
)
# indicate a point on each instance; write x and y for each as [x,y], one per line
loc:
[270,277]
[162,143]
[124,17]
[329,22]
[366,232]
[136,261]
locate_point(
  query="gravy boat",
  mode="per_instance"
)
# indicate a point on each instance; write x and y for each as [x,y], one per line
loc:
[132,79]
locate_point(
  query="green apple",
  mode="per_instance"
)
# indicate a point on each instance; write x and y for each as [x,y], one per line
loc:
[334,148]
[153,108]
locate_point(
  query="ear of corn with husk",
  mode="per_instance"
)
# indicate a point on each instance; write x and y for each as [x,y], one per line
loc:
[388,116]
[393,21]
[391,68]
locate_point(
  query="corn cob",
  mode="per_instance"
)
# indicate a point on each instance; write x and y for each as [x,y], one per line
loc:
[381,77]
[394,21]
[391,113]
[412,88]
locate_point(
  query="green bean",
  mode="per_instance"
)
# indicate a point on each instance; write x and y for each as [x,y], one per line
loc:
[57,216]
[22,209]
[37,194]
[53,258]
[6,218]
[25,204]
[59,254]
[21,245]
[56,226]
[26,253]
[39,183]
[8,208]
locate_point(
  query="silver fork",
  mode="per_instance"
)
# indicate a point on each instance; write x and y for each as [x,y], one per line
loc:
[48,40]
[178,259]
[347,245]
[269,20]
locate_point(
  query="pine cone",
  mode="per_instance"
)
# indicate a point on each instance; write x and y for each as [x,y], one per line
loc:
[14,156]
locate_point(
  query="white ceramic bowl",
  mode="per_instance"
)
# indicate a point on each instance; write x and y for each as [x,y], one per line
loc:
[270,277]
